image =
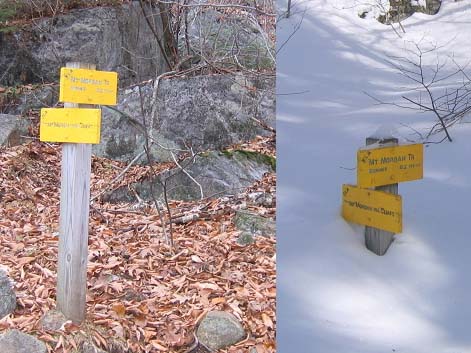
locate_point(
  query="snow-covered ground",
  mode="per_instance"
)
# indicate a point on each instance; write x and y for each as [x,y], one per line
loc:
[334,296]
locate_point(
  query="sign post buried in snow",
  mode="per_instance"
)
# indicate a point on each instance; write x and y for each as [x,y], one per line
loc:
[372,208]
[389,165]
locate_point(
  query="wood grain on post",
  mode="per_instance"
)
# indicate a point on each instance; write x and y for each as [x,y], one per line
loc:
[377,240]
[73,223]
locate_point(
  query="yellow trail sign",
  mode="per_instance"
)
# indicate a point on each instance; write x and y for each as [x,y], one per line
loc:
[389,165]
[88,86]
[73,125]
[372,208]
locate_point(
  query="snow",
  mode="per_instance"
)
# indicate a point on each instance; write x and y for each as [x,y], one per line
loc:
[422,3]
[385,131]
[334,296]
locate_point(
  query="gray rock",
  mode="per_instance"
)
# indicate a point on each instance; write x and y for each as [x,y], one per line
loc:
[7,296]
[230,41]
[14,341]
[251,224]
[432,6]
[53,320]
[245,238]
[12,129]
[218,173]
[401,9]
[262,199]
[114,38]
[219,329]
[206,112]
[35,99]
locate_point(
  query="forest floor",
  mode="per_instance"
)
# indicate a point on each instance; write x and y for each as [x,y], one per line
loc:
[141,292]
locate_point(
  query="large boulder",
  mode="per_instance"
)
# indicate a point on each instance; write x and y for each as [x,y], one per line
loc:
[401,9]
[13,129]
[14,341]
[33,99]
[114,38]
[205,112]
[218,173]
[7,296]
[230,41]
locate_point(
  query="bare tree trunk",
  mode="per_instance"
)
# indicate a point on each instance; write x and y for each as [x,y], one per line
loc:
[170,42]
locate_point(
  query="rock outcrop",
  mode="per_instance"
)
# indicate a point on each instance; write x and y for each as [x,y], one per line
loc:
[204,112]
[229,41]
[114,38]
[401,9]
[12,129]
[218,173]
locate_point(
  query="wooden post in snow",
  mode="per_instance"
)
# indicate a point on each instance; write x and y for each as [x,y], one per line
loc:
[73,223]
[377,240]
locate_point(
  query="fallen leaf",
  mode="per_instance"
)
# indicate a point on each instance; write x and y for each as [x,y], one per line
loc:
[267,321]
[119,309]
[218,300]
[196,258]
[207,285]
[156,344]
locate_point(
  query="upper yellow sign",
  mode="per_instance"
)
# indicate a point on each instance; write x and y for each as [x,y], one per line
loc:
[372,208]
[389,165]
[88,86]
[73,125]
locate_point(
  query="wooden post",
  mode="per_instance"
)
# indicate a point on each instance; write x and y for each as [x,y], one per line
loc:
[73,223]
[377,240]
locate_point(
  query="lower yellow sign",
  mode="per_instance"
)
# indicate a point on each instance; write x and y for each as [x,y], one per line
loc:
[372,208]
[73,125]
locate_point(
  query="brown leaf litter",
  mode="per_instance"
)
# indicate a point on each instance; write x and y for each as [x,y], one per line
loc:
[141,295]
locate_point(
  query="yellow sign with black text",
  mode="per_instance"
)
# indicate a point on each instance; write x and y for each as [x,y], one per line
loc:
[72,125]
[88,86]
[389,165]
[372,208]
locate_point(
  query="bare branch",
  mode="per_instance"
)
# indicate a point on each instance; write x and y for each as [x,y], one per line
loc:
[437,91]
[118,177]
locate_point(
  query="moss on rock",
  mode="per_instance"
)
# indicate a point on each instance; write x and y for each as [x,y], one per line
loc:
[251,155]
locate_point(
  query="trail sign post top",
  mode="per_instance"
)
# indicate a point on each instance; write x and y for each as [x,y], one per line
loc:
[88,86]
[372,208]
[389,165]
[72,125]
